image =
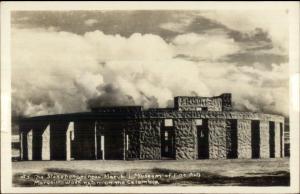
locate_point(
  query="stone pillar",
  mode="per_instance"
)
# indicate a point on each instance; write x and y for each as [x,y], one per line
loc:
[277,140]
[282,139]
[102,147]
[46,143]
[95,139]
[29,144]
[70,131]
[244,138]
[21,145]
[150,141]
[217,138]
[264,139]
[185,141]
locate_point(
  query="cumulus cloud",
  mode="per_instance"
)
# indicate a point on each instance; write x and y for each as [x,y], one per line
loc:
[135,47]
[60,72]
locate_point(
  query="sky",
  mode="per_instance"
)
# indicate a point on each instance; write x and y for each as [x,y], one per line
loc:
[69,61]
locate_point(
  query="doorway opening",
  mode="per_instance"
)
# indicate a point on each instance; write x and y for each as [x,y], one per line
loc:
[202,136]
[255,139]
[272,139]
[113,145]
[231,140]
[168,140]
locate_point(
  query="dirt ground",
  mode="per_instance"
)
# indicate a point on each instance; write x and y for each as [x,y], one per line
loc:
[261,172]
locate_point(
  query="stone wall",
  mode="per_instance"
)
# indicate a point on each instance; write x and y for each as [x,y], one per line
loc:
[50,139]
[69,138]
[217,138]
[29,145]
[35,141]
[191,103]
[264,139]
[244,138]
[282,139]
[226,102]
[207,115]
[132,130]
[46,143]
[185,139]
[277,140]
[150,146]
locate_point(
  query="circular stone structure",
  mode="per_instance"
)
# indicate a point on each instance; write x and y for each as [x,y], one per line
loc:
[196,128]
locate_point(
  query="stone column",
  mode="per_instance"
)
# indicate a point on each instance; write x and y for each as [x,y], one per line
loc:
[95,139]
[264,139]
[46,143]
[277,140]
[68,140]
[21,146]
[217,138]
[184,145]
[29,144]
[103,147]
[244,138]
[282,138]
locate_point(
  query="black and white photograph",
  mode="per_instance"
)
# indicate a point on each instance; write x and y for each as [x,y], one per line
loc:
[120,97]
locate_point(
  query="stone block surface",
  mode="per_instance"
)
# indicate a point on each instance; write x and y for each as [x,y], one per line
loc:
[264,139]
[69,132]
[133,133]
[46,144]
[217,138]
[29,144]
[153,114]
[244,138]
[277,140]
[150,147]
[21,145]
[185,139]
[282,139]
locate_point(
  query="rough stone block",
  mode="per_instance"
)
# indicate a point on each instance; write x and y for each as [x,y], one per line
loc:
[185,141]
[29,145]
[244,138]
[132,130]
[282,138]
[217,138]
[264,139]
[277,140]
[150,147]
[46,144]
[68,140]
[21,145]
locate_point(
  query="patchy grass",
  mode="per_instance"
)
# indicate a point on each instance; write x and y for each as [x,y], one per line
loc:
[263,172]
